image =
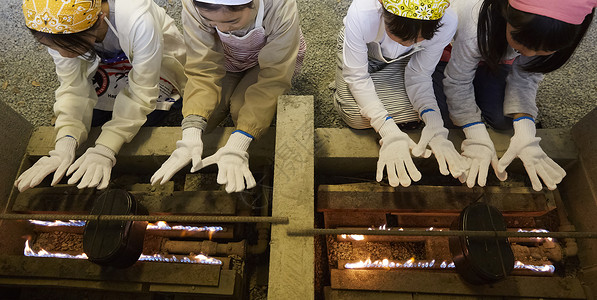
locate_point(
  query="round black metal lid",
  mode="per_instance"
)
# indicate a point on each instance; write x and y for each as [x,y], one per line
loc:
[104,239]
[491,258]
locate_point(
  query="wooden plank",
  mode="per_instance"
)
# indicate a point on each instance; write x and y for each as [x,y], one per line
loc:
[67,198]
[333,219]
[291,274]
[451,283]
[446,221]
[230,280]
[430,200]
[73,283]
[144,272]
[332,294]
[452,297]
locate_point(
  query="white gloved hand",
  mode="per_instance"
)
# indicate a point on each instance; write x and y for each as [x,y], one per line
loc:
[190,148]
[394,156]
[435,135]
[525,145]
[233,163]
[480,153]
[59,160]
[93,168]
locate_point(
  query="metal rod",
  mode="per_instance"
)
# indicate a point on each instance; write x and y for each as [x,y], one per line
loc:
[152,218]
[487,234]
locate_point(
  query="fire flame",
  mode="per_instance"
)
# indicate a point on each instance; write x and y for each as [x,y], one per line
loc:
[412,263]
[385,263]
[43,253]
[359,237]
[541,269]
[196,259]
[538,230]
[383,227]
[356,237]
[72,223]
[160,225]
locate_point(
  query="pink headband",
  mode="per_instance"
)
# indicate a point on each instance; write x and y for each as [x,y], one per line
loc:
[569,11]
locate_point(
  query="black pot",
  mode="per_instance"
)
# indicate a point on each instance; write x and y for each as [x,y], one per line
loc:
[115,243]
[481,260]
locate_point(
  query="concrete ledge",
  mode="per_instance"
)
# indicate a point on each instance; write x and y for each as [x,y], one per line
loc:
[346,151]
[291,273]
[157,141]
[16,133]
[579,193]
[153,145]
[15,136]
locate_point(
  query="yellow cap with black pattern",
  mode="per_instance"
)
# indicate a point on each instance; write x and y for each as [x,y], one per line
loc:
[417,9]
[61,16]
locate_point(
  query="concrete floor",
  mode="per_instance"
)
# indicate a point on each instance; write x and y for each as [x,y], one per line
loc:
[27,79]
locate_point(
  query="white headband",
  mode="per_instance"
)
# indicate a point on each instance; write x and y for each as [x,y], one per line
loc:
[225,2]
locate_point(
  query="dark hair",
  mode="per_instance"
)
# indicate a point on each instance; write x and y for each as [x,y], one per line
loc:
[214,7]
[533,31]
[73,42]
[408,29]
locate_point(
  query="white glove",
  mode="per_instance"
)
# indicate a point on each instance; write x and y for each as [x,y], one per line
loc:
[394,156]
[435,135]
[190,148]
[233,163]
[59,160]
[525,145]
[480,153]
[93,167]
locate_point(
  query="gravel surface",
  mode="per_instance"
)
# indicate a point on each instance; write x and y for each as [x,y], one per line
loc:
[27,79]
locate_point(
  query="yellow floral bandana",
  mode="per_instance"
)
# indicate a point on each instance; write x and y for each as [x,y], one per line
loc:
[417,9]
[61,16]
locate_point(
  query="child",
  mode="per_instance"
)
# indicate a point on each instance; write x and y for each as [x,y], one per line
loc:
[242,55]
[539,36]
[388,51]
[76,32]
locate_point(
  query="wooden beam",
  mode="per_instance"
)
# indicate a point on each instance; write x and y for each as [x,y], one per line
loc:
[451,283]
[144,272]
[332,294]
[128,287]
[431,200]
[71,199]
[291,273]
[229,284]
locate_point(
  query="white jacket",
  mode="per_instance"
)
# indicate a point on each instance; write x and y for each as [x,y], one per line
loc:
[155,48]
[521,86]
[362,25]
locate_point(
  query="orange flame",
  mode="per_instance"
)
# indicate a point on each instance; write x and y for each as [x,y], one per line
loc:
[412,263]
[356,237]
[196,259]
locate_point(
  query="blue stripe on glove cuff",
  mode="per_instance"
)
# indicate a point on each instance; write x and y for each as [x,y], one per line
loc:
[426,111]
[244,133]
[471,124]
[524,117]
